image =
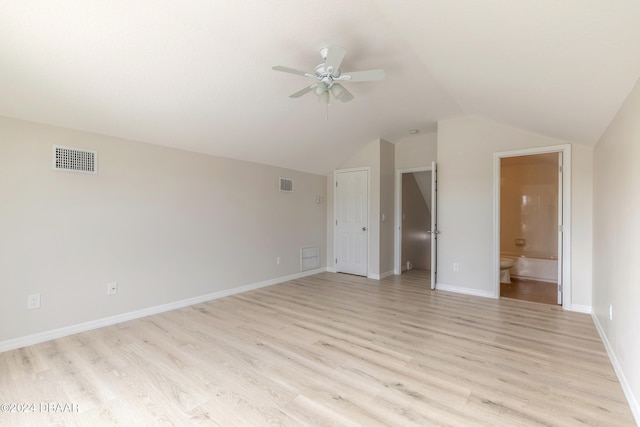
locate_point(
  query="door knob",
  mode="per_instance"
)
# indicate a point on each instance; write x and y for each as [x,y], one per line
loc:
[364,228]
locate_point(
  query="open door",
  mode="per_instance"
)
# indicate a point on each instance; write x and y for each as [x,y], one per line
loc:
[434,225]
[560,228]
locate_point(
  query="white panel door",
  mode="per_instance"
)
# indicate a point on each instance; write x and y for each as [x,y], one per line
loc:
[560,228]
[352,222]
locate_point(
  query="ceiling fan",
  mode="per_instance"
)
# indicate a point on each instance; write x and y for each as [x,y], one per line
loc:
[328,76]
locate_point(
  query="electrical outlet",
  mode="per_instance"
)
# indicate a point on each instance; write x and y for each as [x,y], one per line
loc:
[278,260]
[112,288]
[33,301]
[610,311]
[456,266]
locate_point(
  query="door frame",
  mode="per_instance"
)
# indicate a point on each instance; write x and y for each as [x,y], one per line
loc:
[335,214]
[397,261]
[565,256]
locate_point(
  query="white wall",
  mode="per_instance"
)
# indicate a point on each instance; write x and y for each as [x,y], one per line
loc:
[465,210]
[417,151]
[166,224]
[582,227]
[387,207]
[616,251]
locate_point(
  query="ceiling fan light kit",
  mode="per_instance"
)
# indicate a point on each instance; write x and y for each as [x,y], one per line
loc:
[329,74]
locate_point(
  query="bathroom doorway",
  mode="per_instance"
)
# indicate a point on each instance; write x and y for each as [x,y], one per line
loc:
[532,217]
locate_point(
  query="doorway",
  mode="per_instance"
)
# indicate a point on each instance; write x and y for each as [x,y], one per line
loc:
[531,223]
[415,218]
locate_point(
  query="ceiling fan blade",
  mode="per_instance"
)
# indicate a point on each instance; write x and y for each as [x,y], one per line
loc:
[291,70]
[301,92]
[335,55]
[363,76]
[340,93]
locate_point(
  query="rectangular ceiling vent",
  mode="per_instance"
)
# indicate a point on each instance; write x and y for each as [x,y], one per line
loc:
[286,185]
[74,160]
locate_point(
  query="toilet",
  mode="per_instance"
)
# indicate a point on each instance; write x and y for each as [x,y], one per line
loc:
[505,265]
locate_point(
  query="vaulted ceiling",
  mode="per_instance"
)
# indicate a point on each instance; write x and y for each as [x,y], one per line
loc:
[196,74]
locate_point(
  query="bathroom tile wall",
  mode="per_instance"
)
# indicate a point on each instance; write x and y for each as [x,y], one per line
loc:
[529,205]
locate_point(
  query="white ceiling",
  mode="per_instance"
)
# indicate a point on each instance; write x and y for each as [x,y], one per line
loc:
[196,74]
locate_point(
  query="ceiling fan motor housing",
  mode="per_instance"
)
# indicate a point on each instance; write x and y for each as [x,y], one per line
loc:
[327,76]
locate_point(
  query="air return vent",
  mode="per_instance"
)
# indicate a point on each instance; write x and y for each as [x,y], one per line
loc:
[74,160]
[309,257]
[286,184]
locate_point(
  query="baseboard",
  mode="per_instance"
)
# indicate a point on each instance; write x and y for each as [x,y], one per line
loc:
[381,276]
[387,274]
[466,291]
[631,399]
[580,308]
[331,270]
[20,342]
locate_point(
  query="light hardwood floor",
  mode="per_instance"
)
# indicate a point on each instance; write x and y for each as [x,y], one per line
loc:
[327,350]
[530,290]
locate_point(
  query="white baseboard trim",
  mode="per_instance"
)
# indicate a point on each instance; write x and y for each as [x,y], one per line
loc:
[387,274]
[631,399]
[381,276]
[331,270]
[466,291]
[27,340]
[581,308]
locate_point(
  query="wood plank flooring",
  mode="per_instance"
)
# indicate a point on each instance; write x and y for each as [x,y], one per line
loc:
[326,350]
[530,290]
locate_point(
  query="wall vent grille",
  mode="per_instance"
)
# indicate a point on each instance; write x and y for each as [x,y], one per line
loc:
[74,160]
[309,257]
[286,185]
